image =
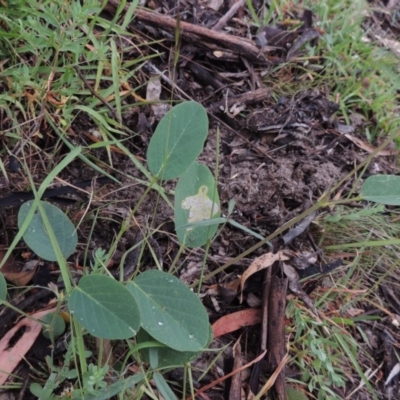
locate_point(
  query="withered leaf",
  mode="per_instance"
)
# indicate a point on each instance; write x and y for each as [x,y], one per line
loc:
[260,263]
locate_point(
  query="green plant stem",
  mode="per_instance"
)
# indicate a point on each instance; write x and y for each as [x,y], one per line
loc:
[340,202]
[54,243]
[184,383]
[125,227]
[80,346]
[372,243]
[189,373]
[100,354]
[177,257]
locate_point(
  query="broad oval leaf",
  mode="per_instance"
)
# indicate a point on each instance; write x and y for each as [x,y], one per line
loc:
[174,315]
[178,140]
[196,200]
[104,307]
[56,325]
[167,357]
[384,189]
[37,237]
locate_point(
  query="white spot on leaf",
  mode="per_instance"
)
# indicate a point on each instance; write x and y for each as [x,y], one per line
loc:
[200,206]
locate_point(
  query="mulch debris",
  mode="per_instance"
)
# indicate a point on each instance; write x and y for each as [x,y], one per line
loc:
[278,156]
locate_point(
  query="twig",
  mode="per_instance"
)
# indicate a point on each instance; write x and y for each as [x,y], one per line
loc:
[254,96]
[265,305]
[200,35]
[276,332]
[231,12]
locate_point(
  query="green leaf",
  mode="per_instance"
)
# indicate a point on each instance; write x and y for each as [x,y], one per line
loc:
[245,229]
[115,388]
[167,357]
[37,237]
[174,315]
[205,222]
[3,288]
[384,189]
[38,391]
[128,17]
[295,394]
[56,325]
[104,307]
[163,387]
[196,199]
[178,140]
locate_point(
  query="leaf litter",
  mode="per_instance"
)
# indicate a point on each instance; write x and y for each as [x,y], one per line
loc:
[278,153]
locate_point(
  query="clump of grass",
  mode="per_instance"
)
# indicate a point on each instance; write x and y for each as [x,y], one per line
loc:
[359,75]
[368,239]
[42,45]
[318,353]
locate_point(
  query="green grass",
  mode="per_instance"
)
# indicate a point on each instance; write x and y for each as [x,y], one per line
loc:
[42,44]
[361,76]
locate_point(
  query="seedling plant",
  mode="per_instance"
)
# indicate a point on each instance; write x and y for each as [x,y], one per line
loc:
[147,311]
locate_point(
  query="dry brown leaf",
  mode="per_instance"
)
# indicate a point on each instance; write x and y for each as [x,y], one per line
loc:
[13,272]
[370,149]
[20,276]
[234,285]
[262,262]
[354,312]
[153,92]
[11,355]
[232,322]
